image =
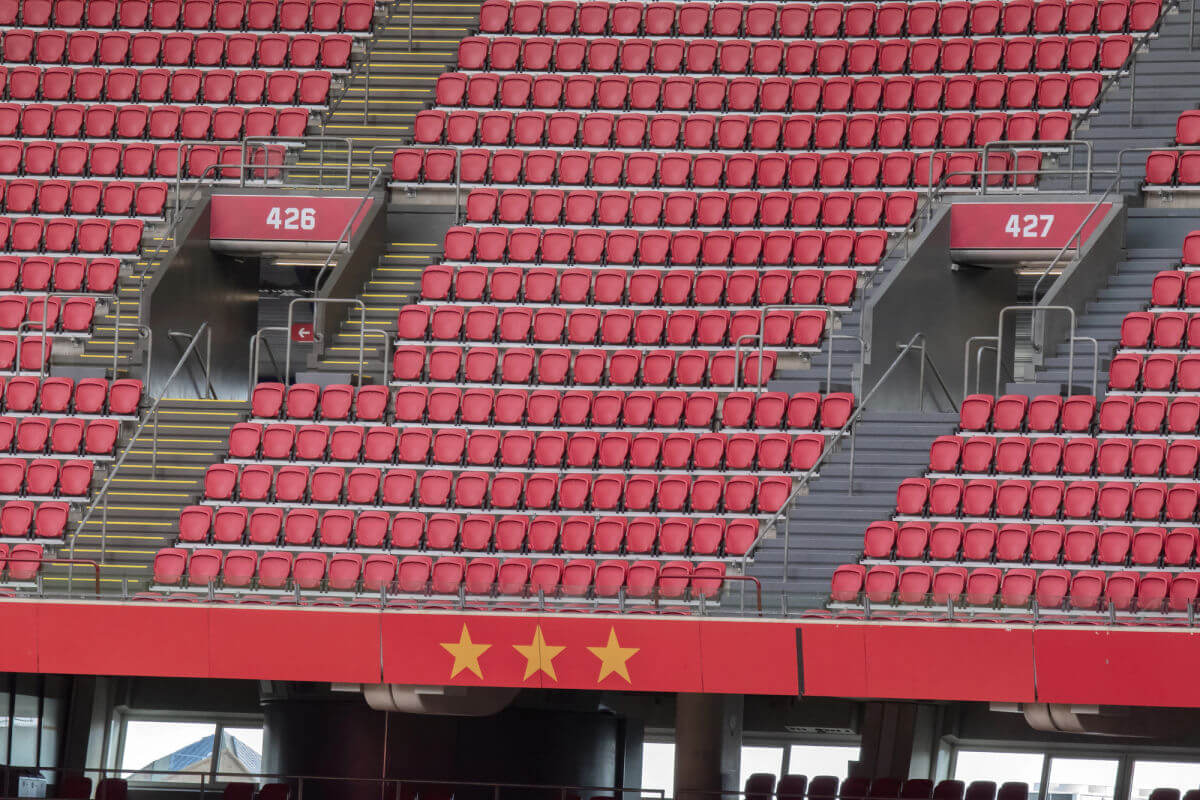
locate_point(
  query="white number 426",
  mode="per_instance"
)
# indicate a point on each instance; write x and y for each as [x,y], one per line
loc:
[292,219]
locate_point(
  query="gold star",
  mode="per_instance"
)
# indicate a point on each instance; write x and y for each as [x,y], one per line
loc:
[538,655]
[613,657]
[466,654]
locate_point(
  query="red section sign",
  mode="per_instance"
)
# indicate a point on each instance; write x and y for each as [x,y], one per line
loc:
[302,332]
[1021,226]
[284,218]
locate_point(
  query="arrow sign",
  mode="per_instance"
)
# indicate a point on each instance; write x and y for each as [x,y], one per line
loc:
[302,332]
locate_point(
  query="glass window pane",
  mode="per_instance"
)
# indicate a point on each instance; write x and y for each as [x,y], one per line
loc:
[986,765]
[173,746]
[240,753]
[1150,775]
[820,759]
[1082,779]
[760,759]
[658,766]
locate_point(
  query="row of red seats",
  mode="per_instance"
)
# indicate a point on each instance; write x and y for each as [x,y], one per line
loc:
[63,436]
[1174,288]
[374,530]
[719,94]
[45,477]
[772,57]
[37,274]
[503,490]
[22,561]
[1081,544]
[824,20]
[1078,413]
[659,247]
[260,15]
[899,170]
[90,396]
[1047,499]
[828,130]
[1075,456]
[689,209]
[82,198]
[1171,330]
[677,287]
[137,121]
[249,86]
[578,408]
[24,354]
[126,159]
[1160,372]
[804,410]
[487,448]
[593,367]
[65,235]
[348,572]
[21,519]
[69,315]
[618,326]
[151,49]
[1173,167]
[1015,588]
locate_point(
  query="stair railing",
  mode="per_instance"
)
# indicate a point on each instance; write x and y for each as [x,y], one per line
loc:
[781,517]
[101,497]
[259,342]
[1070,145]
[348,230]
[315,301]
[1075,240]
[252,145]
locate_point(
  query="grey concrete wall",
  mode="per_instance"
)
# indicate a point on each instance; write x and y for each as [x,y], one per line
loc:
[926,293]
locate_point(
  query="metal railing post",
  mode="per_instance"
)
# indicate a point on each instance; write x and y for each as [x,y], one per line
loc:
[362,317]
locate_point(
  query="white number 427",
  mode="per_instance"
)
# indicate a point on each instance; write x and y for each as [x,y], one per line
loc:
[292,219]
[1026,226]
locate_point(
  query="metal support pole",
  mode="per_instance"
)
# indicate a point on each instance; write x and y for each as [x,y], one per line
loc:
[1132,89]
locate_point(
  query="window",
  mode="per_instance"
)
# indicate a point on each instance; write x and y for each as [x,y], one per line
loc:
[1081,779]
[820,759]
[761,759]
[987,765]
[1149,775]
[658,767]
[180,748]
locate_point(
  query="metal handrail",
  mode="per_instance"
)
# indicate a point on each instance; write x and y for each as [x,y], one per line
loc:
[347,231]
[206,363]
[116,467]
[206,781]
[362,317]
[1035,309]
[258,341]
[832,444]
[1077,236]
[264,143]
[1070,145]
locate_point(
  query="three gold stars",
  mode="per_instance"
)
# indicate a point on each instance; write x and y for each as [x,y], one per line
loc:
[613,657]
[538,655]
[466,654]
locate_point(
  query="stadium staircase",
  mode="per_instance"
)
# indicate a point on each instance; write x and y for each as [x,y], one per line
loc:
[826,525]
[401,81]
[1167,80]
[1153,239]
[144,504]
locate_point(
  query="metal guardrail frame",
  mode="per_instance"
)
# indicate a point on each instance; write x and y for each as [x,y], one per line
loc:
[258,342]
[101,497]
[315,301]
[347,231]
[1077,236]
